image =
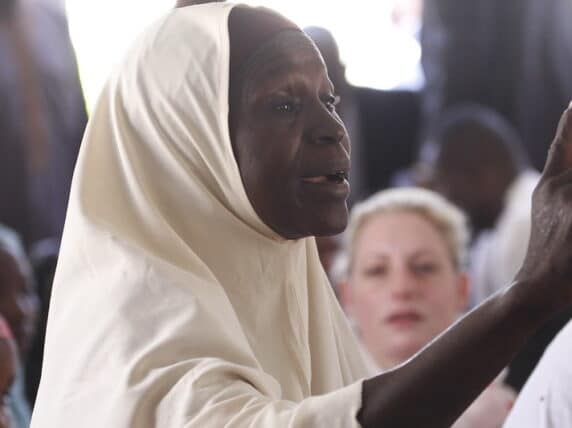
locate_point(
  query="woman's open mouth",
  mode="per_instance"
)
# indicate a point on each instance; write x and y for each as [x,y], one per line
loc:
[404,319]
[338,177]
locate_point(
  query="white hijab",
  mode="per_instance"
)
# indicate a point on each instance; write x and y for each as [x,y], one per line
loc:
[174,304]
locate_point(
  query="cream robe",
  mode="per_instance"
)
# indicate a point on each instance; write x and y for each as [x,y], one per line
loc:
[173,304]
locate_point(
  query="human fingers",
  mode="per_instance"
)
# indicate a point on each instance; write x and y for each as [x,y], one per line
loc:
[562,179]
[560,153]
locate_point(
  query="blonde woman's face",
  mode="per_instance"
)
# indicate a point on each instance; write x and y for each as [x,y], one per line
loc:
[404,289]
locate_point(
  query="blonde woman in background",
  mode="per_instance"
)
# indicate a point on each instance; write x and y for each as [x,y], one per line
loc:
[406,283]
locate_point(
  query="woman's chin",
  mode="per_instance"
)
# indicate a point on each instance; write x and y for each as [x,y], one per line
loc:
[403,350]
[332,222]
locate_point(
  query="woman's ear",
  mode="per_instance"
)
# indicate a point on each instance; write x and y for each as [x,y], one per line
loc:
[345,296]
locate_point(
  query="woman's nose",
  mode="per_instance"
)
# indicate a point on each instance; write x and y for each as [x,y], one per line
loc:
[327,127]
[403,284]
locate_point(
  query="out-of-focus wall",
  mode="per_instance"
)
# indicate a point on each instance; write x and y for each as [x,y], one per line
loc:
[102,30]
[377,39]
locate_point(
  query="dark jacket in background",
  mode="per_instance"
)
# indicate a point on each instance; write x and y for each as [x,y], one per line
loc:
[389,128]
[33,202]
[513,56]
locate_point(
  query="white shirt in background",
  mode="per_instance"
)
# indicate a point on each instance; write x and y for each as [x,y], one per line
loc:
[546,399]
[498,254]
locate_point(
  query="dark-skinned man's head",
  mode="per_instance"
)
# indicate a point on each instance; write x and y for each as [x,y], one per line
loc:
[478,157]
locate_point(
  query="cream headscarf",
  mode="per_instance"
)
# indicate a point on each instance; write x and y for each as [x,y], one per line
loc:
[173,304]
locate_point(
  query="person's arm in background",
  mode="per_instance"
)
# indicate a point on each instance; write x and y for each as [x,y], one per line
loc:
[434,388]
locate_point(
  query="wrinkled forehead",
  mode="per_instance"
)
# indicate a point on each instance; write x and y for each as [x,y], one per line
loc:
[264,43]
[286,54]
[250,28]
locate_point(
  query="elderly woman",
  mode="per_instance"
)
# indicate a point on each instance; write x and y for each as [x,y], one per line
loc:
[406,250]
[189,292]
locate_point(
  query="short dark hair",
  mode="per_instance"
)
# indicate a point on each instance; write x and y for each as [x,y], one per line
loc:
[473,121]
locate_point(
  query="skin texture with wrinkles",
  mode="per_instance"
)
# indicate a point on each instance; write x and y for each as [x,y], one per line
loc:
[285,132]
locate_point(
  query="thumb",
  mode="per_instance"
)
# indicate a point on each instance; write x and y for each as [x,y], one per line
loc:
[560,153]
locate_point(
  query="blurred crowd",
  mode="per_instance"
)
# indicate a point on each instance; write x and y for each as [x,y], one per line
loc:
[442,180]
[42,119]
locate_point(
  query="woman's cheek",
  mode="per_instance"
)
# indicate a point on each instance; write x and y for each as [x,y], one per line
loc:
[442,304]
[368,305]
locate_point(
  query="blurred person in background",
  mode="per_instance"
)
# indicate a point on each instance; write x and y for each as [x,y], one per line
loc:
[512,56]
[19,306]
[8,367]
[544,86]
[42,118]
[480,165]
[382,125]
[406,283]
[546,399]
[56,5]
[328,247]
[44,258]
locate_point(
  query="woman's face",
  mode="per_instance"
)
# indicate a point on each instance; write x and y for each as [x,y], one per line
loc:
[290,144]
[403,288]
[18,301]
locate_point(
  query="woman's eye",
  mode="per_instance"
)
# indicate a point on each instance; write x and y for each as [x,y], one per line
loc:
[332,101]
[287,106]
[374,271]
[425,268]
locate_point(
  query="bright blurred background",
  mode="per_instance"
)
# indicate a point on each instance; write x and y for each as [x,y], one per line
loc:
[101,32]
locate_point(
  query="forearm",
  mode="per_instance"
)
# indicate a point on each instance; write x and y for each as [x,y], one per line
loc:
[436,386]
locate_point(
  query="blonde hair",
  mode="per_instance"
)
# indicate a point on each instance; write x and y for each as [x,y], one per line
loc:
[449,220]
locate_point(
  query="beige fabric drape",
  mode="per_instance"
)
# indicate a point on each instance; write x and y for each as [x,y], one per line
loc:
[173,304]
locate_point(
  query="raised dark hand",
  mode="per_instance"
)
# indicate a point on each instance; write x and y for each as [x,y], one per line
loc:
[445,377]
[548,264]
